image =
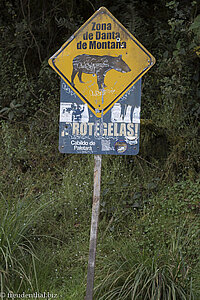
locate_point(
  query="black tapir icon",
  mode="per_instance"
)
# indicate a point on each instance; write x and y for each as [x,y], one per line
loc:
[99,65]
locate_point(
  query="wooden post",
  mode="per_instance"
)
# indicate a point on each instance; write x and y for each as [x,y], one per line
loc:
[94,227]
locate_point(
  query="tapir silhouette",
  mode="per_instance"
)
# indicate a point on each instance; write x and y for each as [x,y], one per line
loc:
[99,65]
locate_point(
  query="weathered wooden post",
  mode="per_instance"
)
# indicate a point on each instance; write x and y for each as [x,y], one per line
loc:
[94,226]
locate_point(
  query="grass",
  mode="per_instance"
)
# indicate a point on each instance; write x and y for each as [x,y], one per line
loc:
[135,274]
[16,250]
[148,231]
[158,257]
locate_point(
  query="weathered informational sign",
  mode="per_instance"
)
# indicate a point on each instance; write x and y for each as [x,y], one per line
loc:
[82,132]
[100,68]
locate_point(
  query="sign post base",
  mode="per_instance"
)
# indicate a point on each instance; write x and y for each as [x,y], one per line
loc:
[94,227]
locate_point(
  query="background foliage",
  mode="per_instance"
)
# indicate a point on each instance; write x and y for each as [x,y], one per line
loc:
[149,221]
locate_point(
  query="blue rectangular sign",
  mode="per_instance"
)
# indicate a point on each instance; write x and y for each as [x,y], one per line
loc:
[117,132]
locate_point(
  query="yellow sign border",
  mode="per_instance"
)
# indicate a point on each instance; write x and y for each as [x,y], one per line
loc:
[52,61]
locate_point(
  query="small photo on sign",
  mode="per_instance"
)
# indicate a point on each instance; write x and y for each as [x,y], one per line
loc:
[122,112]
[73,112]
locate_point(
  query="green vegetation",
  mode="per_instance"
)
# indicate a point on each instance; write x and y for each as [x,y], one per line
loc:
[148,241]
[148,232]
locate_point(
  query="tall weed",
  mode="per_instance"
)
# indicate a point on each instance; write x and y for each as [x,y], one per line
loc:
[158,257]
[135,274]
[17,253]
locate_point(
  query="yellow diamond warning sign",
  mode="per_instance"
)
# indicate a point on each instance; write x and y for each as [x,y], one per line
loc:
[101,61]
